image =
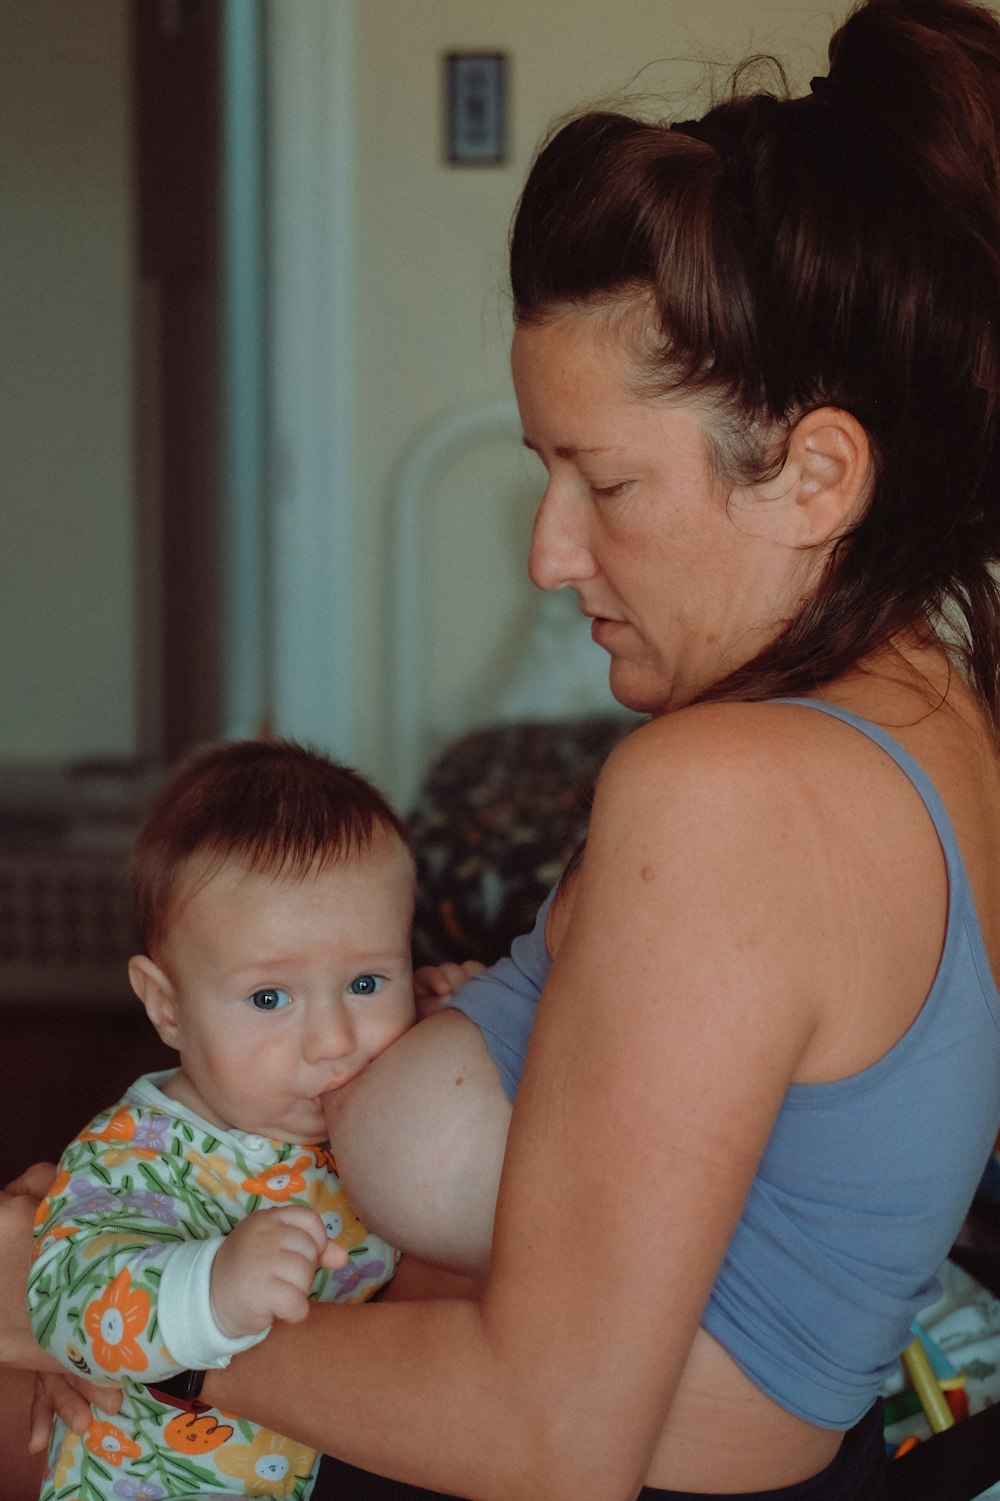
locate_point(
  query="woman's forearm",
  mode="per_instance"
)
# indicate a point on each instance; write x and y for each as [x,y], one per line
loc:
[438,1410]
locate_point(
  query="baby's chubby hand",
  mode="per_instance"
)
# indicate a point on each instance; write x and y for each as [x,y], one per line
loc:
[264,1268]
[433,984]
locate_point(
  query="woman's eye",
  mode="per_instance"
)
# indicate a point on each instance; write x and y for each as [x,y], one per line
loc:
[270,999]
[608,492]
[366,985]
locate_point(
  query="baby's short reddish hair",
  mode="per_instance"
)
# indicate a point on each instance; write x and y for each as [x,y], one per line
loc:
[274,806]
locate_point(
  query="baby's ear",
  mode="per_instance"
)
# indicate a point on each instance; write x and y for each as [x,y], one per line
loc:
[157,995]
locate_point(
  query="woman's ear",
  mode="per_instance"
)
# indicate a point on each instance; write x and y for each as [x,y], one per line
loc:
[823,485]
[157,995]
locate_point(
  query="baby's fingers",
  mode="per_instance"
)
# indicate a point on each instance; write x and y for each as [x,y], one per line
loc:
[334,1256]
[289,1302]
[306,1222]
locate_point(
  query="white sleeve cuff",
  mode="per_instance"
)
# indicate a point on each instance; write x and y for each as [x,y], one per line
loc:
[184,1309]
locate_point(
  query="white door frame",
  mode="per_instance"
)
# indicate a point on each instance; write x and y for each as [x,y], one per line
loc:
[312,366]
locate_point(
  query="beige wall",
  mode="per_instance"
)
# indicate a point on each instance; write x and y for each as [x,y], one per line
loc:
[433,320]
[67,635]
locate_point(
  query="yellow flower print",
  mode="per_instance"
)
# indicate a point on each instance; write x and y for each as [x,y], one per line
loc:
[333,1208]
[212,1175]
[102,1243]
[269,1466]
[67,1457]
[280,1182]
[110,1443]
[114,1321]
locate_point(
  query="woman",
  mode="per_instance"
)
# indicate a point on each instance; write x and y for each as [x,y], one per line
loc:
[759,358]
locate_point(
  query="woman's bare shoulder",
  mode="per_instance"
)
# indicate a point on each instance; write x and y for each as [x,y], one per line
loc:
[780,832]
[730,750]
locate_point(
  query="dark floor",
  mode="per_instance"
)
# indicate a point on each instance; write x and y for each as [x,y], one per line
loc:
[59,1065]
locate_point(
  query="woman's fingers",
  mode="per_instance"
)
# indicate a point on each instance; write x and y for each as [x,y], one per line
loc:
[34,1182]
[17,1341]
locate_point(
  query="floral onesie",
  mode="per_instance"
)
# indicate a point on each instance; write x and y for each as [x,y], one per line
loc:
[119,1290]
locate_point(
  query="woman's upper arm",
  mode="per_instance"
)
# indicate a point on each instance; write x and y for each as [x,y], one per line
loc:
[680,1003]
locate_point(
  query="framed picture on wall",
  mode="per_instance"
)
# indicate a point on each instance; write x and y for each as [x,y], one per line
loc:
[476,108]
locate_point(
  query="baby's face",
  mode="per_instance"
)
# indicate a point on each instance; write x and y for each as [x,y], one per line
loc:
[284,988]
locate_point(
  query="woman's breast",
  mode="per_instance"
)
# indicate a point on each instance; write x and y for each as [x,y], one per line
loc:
[419,1139]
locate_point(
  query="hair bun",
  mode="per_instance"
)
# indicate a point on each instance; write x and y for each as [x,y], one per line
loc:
[921,78]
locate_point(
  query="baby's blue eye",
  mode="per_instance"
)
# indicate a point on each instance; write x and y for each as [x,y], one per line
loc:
[270,999]
[366,985]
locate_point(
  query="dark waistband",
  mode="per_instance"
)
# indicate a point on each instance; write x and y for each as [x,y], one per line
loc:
[855,1473]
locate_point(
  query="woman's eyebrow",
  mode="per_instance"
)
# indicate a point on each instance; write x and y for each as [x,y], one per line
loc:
[564,452]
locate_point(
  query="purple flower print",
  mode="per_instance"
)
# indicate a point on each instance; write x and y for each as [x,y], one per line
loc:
[352,1276]
[152,1132]
[157,1206]
[90,1198]
[137,1490]
[150,1253]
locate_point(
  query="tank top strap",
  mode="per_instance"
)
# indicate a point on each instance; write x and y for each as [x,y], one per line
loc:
[910,768]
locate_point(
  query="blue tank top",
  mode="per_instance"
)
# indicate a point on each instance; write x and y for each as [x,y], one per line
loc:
[864,1182]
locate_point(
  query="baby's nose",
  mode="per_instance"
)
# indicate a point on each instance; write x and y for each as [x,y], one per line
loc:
[329,1033]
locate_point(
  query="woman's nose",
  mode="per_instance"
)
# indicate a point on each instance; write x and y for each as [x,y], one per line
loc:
[559,555]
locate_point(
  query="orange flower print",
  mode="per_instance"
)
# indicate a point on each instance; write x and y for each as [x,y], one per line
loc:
[120,1128]
[114,1322]
[269,1466]
[49,1239]
[323,1156]
[196,1433]
[333,1208]
[109,1443]
[279,1182]
[125,1137]
[59,1186]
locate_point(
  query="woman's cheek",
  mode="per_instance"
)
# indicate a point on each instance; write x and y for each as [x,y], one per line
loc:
[418,1139]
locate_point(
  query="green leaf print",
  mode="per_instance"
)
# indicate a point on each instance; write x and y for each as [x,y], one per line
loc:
[154,1180]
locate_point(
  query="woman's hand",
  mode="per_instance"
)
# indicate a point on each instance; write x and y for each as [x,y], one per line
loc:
[18,1203]
[70,1398]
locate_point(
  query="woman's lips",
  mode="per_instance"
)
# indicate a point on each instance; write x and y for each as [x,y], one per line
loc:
[603,629]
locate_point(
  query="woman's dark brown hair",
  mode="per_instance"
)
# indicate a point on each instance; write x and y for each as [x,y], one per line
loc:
[837,249]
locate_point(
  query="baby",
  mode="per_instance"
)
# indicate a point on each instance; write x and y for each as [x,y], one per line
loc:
[274,895]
